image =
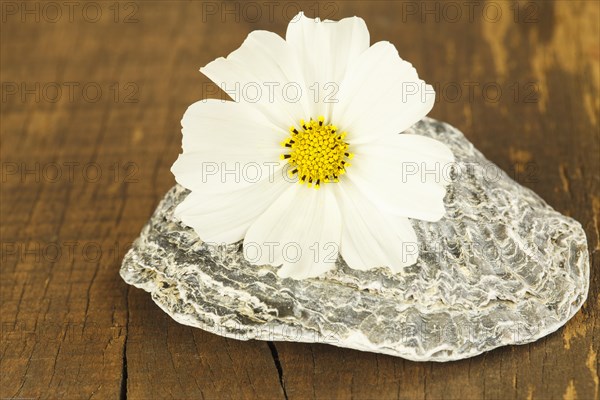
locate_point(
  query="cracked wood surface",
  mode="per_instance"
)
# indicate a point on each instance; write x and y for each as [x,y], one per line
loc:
[72,329]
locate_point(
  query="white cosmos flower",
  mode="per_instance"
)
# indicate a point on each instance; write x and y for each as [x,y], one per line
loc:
[304,106]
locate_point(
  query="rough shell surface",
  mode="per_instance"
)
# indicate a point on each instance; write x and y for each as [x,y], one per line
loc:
[502,267]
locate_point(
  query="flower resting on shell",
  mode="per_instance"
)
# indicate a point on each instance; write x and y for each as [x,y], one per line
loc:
[316,164]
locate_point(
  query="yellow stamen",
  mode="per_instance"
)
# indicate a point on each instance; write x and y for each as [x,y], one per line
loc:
[318,153]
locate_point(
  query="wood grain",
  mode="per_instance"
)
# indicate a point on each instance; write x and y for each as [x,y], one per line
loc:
[72,329]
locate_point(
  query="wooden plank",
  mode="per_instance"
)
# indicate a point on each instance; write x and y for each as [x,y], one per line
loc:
[169,360]
[72,329]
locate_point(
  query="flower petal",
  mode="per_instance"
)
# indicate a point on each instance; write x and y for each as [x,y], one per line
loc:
[371,238]
[225,218]
[325,49]
[300,231]
[405,174]
[226,145]
[381,94]
[263,72]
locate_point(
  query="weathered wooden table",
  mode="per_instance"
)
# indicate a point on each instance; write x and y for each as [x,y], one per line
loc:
[92,96]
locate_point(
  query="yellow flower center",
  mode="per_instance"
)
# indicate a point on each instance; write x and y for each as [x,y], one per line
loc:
[318,153]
